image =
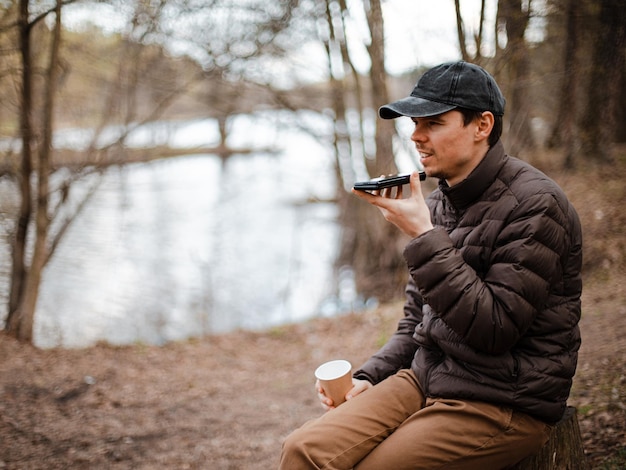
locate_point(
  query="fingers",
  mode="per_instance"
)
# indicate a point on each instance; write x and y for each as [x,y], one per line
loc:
[359,386]
[410,214]
[394,192]
[326,402]
[416,187]
[368,197]
[375,197]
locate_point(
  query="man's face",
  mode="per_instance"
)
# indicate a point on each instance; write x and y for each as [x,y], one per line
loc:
[447,148]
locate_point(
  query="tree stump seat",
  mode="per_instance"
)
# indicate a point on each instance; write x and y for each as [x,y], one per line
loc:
[563,451]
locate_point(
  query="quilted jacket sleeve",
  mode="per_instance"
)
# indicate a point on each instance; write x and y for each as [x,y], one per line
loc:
[491,312]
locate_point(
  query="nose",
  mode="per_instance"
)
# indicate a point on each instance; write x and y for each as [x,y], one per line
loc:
[418,134]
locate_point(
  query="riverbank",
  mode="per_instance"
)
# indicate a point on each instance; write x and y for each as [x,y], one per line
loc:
[228,401]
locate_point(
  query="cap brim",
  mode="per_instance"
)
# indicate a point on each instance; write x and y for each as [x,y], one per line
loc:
[413,106]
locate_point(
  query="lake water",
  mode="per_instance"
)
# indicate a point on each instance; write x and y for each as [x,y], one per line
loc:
[188,246]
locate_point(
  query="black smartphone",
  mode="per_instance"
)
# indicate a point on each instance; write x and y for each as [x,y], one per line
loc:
[386,182]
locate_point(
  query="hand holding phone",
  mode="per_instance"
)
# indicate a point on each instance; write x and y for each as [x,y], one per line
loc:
[386,182]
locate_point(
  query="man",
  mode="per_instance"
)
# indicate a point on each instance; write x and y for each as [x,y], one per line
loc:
[482,362]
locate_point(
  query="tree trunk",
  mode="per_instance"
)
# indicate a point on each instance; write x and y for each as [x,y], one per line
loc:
[377,251]
[564,132]
[19,270]
[385,129]
[368,243]
[21,319]
[519,135]
[563,451]
[599,124]
[620,132]
[462,35]
[460,31]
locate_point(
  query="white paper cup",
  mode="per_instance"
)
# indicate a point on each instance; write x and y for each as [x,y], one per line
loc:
[336,379]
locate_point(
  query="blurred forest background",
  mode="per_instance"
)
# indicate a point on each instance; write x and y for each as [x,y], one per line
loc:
[560,64]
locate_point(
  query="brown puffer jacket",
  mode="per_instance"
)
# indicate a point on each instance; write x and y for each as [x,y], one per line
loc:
[493,300]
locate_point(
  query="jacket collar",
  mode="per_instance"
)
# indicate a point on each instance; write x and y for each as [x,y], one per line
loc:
[465,193]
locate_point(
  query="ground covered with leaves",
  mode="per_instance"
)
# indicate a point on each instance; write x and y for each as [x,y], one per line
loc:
[228,401]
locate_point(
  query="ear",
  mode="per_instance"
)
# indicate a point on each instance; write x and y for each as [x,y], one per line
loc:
[484,126]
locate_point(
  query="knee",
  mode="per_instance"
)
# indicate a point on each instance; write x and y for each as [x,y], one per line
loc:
[296,451]
[294,444]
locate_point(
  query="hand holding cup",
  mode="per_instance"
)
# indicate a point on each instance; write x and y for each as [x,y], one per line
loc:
[335,380]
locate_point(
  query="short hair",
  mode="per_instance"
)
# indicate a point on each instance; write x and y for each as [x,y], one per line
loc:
[470,114]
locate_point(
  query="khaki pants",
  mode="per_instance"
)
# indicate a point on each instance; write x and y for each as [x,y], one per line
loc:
[392,426]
